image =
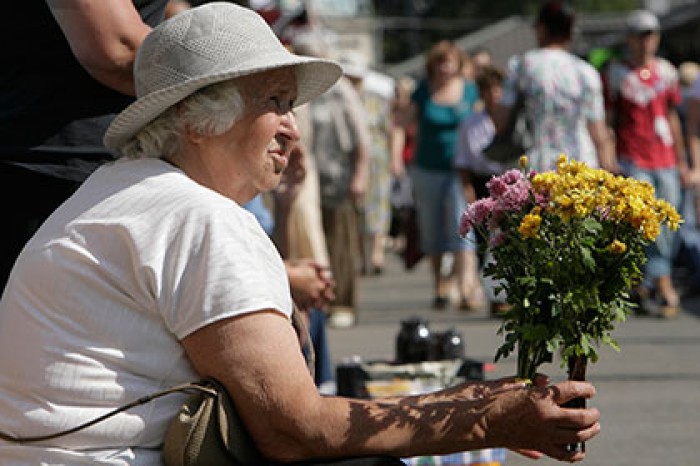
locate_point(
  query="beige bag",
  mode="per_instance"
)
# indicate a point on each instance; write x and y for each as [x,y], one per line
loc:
[208,431]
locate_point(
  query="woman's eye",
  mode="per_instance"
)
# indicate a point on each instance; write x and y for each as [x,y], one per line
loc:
[282,107]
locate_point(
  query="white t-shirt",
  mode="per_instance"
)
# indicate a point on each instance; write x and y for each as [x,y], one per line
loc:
[140,257]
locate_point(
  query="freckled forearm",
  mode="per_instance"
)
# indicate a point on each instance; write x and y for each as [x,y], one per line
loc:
[403,427]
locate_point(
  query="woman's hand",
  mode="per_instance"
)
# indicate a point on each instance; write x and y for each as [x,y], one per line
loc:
[532,421]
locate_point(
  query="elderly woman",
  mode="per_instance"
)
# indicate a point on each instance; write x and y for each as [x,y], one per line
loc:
[152,274]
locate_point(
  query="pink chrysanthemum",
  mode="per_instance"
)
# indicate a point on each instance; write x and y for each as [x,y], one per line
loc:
[516,196]
[476,214]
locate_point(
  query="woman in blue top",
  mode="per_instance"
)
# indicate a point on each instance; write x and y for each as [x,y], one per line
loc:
[439,103]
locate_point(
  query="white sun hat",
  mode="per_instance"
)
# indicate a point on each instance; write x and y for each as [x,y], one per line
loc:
[207,44]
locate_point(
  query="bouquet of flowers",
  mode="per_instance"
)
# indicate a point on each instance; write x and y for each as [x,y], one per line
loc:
[566,248]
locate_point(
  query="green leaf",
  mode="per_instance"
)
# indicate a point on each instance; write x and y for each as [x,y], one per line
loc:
[587,258]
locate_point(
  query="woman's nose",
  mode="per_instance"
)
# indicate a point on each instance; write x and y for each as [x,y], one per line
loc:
[289,127]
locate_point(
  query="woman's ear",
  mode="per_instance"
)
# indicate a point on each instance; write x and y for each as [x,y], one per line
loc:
[192,136]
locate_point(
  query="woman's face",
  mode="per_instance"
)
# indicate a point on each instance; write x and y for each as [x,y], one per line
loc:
[250,157]
[446,66]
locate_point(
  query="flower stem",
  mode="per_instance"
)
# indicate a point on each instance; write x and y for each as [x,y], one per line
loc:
[577,371]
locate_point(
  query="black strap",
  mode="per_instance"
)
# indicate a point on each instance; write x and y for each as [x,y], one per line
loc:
[186,387]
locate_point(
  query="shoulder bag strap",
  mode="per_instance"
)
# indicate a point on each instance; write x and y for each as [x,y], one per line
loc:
[186,387]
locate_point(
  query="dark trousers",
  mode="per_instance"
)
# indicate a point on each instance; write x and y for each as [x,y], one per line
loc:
[28,198]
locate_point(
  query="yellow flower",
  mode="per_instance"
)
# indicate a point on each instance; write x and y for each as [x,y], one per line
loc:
[651,230]
[570,217]
[617,247]
[530,225]
[561,162]
[523,161]
[669,213]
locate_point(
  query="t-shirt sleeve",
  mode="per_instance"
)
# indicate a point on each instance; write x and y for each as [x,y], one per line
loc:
[612,75]
[675,97]
[221,264]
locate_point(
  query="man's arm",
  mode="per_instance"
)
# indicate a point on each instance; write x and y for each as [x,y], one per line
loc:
[104,36]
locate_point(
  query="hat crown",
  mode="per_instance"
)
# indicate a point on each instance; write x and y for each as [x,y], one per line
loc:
[191,46]
[204,45]
[642,20]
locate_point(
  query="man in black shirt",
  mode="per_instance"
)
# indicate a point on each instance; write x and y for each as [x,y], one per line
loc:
[66,70]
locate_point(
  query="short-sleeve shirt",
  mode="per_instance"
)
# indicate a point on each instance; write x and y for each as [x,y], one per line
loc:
[437,127]
[640,99]
[562,93]
[140,257]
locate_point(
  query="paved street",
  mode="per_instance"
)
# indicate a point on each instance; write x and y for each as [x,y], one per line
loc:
[648,394]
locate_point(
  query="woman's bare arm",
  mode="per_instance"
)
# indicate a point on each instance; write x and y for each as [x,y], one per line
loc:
[257,357]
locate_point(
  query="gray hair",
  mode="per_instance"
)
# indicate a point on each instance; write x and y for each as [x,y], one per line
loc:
[210,111]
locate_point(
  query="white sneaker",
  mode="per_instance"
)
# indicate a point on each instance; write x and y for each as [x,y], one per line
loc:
[341,319]
[328,388]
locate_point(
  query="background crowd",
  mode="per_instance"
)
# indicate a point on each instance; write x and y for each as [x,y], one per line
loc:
[389,164]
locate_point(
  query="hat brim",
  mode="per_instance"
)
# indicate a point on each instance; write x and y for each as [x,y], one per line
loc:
[314,77]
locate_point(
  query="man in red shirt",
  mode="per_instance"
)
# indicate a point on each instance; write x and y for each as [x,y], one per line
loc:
[641,93]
